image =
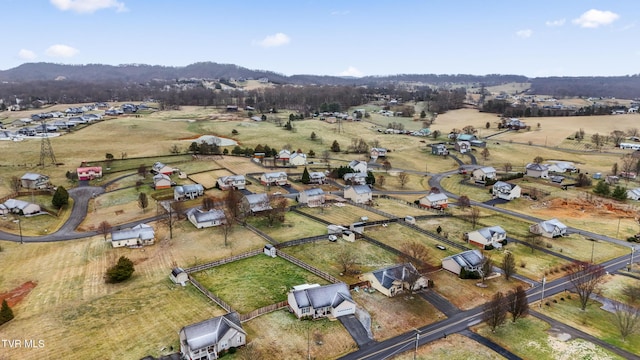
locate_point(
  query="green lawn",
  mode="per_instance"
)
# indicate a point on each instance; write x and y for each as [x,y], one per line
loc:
[295,226]
[255,282]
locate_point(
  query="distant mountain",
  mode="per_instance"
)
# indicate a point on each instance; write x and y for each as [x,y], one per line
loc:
[621,87]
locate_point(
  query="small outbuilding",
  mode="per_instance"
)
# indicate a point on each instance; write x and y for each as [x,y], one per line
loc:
[270,250]
[179,276]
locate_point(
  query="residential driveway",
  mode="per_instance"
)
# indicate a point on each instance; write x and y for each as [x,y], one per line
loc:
[496,201]
[490,344]
[440,303]
[356,330]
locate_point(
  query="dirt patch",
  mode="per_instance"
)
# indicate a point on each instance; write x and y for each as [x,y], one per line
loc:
[579,208]
[16,295]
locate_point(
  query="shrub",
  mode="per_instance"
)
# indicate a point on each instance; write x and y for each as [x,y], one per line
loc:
[121,271]
[561,299]
[548,245]
[523,264]
[6,314]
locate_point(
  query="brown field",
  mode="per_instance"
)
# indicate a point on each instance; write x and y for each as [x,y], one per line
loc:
[454,347]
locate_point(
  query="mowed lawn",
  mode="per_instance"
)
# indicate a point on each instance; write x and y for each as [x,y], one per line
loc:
[255,282]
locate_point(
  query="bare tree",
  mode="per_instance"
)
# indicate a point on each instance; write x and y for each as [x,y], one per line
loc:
[414,251]
[232,202]
[278,208]
[495,311]
[486,267]
[469,129]
[16,183]
[599,140]
[632,292]
[628,165]
[143,201]
[585,278]
[617,136]
[386,165]
[143,171]
[485,154]
[627,319]
[507,166]
[346,259]
[403,179]
[104,228]
[325,157]
[381,180]
[508,264]
[228,224]
[518,305]
[208,203]
[249,352]
[474,216]
[532,240]
[464,202]
[633,132]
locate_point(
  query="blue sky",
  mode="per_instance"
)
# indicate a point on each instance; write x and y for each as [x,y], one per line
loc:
[327,37]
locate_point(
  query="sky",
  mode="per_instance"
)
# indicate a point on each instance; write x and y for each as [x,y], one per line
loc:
[328,37]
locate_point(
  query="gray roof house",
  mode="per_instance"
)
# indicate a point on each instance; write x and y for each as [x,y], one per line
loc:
[359,194]
[317,301]
[317,177]
[470,260]
[549,228]
[204,219]
[487,236]
[189,191]
[505,190]
[255,203]
[537,170]
[395,279]
[211,338]
[358,166]
[139,235]
[357,178]
[34,181]
[19,207]
[312,197]
[633,194]
[483,173]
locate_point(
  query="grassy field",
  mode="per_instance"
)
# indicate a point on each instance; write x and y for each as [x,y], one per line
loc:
[342,215]
[304,227]
[454,347]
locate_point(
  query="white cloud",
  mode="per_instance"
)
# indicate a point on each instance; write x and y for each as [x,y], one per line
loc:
[594,18]
[526,33]
[555,23]
[61,51]
[88,6]
[351,71]
[25,54]
[275,40]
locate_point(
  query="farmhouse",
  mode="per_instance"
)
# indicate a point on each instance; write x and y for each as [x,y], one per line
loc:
[485,238]
[162,181]
[231,182]
[395,279]
[311,197]
[255,203]
[356,178]
[549,228]
[160,168]
[434,200]
[483,174]
[34,181]
[317,177]
[358,166]
[377,152]
[298,159]
[462,146]
[139,235]
[89,173]
[190,191]
[505,190]
[204,219]
[274,178]
[359,194]
[439,149]
[209,339]
[315,301]
[633,194]
[537,170]
[470,261]
[19,207]
[179,276]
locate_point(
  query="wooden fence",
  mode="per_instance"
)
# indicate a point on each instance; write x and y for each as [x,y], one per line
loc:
[261,233]
[210,295]
[263,310]
[307,267]
[223,261]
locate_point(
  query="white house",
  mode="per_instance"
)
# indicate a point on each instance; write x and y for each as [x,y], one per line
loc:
[315,301]
[274,178]
[462,146]
[434,200]
[312,197]
[209,339]
[231,182]
[377,152]
[139,235]
[557,166]
[506,191]
[189,191]
[470,260]
[255,203]
[204,219]
[633,194]
[284,156]
[298,159]
[359,194]
[317,177]
[356,178]
[22,207]
[34,181]
[488,236]
[160,168]
[395,279]
[549,228]
[484,173]
[358,166]
[537,170]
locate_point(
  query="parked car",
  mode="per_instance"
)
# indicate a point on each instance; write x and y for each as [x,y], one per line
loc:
[441,247]
[333,238]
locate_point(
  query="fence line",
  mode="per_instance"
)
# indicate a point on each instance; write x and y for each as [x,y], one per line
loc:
[301,241]
[307,267]
[261,233]
[209,295]
[263,310]
[369,208]
[223,261]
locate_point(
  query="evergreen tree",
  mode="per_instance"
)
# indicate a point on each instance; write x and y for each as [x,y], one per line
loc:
[335,147]
[602,188]
[6,314]
[371,180]
[306,179]
[121,271]
[619,193]
[60,197]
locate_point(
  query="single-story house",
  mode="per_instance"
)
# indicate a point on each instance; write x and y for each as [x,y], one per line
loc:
[162,181]
[358,166]
[189,191]
[89,172]
[462,146]
[434,200]
[160,168]
[487,236]
[537,170]
[561,166]
[275,178]
[317,177]
[22,207]
[633,194]
[139,235]
[255,203]
[312,197]
[549,228]
[231,182]
[470,261]
[298,159]
[359,194]
[356,178]
[377,152]
[315,301]
[484,173]
[395,279]
[466,137]
[506,191]
[439,149]
[179,276]
[209,339]
[34,181]
[204,219]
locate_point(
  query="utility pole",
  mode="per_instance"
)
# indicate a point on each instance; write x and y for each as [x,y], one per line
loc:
[544,280]
[415,353]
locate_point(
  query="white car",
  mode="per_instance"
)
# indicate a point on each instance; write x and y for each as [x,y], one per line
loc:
[333,238]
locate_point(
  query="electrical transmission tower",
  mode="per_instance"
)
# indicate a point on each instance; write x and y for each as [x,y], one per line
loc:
[46,150]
